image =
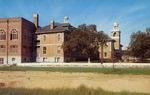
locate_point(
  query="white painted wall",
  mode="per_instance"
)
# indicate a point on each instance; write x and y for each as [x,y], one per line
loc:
[10,61]
[50,59]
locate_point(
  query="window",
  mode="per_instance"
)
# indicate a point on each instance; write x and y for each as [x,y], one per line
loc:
[105,55]
[13,48]
[13,59]
[44,50]
[14,34]
[44,59]
[2,49]
[1,60]
[25,36]
[25,59]
[57,59]
[2,35]
[58,37]
[44,38]
[58,49]
[114,35]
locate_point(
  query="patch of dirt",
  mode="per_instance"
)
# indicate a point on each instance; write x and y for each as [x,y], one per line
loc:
[48,80]
[2,85]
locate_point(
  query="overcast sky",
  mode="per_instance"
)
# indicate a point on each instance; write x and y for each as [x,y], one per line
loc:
[132,15]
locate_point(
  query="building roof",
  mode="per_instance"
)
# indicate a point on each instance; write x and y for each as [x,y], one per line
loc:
[110,39]
[58,27]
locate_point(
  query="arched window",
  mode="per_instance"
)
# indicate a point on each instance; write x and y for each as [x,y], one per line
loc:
[44,38]
[114,35]
[14,34]
[2,35]
[58,37]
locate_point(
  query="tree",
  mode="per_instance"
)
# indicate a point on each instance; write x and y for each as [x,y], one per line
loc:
[101,39]
[82,43]
[140,45]
[91,27]
[83,27]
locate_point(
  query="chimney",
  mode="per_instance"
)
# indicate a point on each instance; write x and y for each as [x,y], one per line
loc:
[36,20]
[52,24]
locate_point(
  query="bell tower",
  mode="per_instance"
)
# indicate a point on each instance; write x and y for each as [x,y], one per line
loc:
[115,34]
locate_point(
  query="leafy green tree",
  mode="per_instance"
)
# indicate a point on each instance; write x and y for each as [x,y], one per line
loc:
[82,42]
[140,45]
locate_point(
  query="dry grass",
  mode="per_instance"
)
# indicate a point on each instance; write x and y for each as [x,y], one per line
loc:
[55,80]
[82,90]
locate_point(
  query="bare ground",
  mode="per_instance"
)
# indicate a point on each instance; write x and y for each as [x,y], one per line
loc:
[48,80]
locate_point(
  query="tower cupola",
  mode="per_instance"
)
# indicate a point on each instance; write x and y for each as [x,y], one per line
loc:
[66,19]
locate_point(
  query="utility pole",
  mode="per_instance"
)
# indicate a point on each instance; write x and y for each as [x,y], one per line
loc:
[7,38]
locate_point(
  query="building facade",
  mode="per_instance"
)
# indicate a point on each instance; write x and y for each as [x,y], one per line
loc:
[16,40]
[108,49]
[24,41]
[112,47]
[50,40]
[116,35]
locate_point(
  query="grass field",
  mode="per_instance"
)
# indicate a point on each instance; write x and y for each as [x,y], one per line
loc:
[145,71]
[82,90]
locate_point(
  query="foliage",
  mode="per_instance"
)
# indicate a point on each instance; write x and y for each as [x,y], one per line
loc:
[140,45]
[81,42]
[91,27]
[145,70]
[125,55]
[81,90]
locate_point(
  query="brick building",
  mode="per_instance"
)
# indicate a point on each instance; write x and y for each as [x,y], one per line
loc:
[24,41]
[16,40]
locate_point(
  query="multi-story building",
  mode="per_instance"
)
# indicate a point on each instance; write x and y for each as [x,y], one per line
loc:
[112,48]
[108,49]
[24,41]
[49,41]
[16,40]
[116,35]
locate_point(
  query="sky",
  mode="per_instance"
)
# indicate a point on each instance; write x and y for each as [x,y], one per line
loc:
[132,15]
